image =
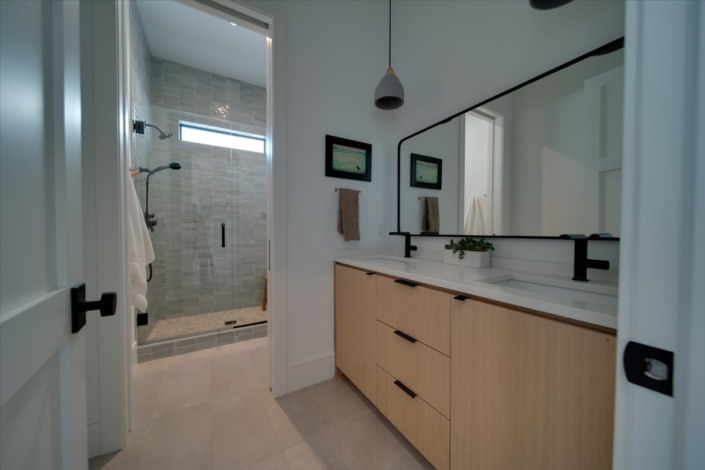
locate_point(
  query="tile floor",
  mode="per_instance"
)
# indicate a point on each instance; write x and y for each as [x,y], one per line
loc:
[212,410]
[184,327]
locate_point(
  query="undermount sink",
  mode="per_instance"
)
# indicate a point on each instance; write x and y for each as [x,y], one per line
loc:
[600,295]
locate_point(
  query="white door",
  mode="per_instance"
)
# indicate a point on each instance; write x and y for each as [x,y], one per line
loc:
[661,292]
[42,364]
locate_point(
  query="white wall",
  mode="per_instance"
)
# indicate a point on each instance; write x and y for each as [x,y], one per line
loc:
[448,55]
[334,62]
[440,142]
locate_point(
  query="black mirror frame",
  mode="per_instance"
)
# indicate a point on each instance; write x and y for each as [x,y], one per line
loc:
[606,49]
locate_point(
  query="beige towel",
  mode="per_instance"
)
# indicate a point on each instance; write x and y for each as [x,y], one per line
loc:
[431,218]
[349,214]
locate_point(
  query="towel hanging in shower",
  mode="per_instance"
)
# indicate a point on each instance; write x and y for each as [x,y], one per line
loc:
[141,251]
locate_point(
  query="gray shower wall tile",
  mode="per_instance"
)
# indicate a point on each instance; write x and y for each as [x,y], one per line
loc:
[192,273]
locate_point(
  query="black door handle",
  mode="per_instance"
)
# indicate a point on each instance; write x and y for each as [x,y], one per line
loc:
[406,389]
[79,306]
[462,298]
[222,235]
[410,339]
[405,283]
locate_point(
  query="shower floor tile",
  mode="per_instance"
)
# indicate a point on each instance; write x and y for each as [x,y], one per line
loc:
[204,323]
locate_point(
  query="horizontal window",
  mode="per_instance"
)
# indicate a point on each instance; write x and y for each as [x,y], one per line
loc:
[218,137]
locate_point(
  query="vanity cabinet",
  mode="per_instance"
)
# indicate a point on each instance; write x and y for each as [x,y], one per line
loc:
[529,392]
[416,310]
[476,385]
[355,328]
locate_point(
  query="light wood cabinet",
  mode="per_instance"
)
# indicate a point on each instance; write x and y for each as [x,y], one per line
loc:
[417,311]
[426,428]
[423,369]
[355,328]
[476,385]
[529,393]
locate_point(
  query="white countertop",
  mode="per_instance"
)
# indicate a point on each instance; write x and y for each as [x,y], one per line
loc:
[469,281]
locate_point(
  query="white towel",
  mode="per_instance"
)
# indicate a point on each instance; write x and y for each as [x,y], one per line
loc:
[475,218]
[141,251]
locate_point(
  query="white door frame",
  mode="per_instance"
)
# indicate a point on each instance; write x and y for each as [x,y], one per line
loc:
[661,295]
[106,117]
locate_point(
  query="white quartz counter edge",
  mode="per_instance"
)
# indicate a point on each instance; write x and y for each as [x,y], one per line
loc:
[463,280]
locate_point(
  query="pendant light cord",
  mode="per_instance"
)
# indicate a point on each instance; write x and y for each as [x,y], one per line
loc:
[390,33]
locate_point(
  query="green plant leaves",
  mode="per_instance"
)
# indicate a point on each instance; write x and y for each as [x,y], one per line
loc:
[469,244]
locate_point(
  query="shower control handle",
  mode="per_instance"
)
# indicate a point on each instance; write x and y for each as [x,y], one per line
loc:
[150,221]
[222,235]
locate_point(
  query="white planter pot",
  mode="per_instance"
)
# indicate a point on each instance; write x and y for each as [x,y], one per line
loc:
[472,259]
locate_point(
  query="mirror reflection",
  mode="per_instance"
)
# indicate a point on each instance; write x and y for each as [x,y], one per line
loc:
[543,160]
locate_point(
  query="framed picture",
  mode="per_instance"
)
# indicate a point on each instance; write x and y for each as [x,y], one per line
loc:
[348,159]
[426,172]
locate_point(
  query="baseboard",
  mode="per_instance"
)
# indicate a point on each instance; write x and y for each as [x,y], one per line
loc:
[311,373]
[94,440]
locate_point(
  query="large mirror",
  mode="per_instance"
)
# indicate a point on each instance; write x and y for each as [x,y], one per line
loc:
[541,160]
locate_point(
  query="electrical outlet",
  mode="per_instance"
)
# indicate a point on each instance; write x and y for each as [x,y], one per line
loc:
[380,230]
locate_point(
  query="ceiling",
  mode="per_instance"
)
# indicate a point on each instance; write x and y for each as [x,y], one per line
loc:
[190,37]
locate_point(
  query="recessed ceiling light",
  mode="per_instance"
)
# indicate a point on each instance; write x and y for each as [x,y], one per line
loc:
[233,23]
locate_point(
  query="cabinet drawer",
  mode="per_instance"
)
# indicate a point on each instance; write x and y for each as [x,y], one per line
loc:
[424,370]
[417,311]
[426,428]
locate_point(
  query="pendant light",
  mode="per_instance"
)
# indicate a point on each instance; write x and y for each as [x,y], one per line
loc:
[389,93]
[548,4]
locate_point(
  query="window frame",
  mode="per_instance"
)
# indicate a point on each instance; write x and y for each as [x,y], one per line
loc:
[223,131]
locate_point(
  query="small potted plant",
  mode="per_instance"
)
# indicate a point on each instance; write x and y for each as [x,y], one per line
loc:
[469,252]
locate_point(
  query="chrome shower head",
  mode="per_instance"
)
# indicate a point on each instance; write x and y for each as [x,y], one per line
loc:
[162,135]
[171,166]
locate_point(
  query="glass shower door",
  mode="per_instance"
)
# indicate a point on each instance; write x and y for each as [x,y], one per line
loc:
[249,235]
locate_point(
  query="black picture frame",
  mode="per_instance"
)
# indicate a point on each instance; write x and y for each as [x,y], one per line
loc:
[331,171]
[416,182]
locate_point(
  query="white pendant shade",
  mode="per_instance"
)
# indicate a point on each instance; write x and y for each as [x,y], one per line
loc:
[389,93]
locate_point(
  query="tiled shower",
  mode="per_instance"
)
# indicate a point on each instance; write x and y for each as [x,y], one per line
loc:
[218,197]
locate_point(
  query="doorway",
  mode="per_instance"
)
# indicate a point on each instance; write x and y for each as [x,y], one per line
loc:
[481,167]
[203,143]
[198,85]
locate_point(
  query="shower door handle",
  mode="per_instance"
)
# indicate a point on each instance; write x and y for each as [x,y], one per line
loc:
[222,235]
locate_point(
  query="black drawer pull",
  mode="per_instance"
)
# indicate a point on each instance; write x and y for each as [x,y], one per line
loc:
[370,273]
[406,389]
[405,283]
[410,339]
[462,298]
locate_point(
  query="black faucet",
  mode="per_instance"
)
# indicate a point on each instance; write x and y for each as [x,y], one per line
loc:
[581,263]
[408,247]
